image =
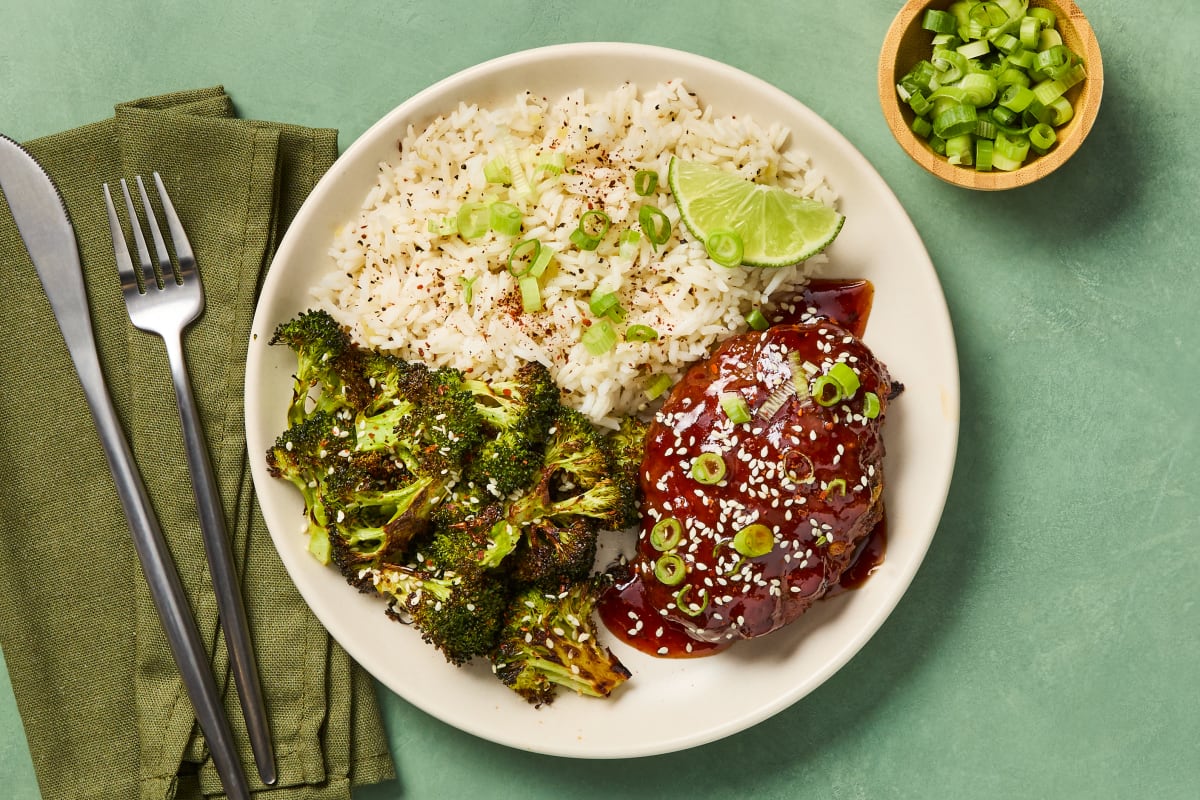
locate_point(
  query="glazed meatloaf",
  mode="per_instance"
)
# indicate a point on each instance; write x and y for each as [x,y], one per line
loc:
[762,477]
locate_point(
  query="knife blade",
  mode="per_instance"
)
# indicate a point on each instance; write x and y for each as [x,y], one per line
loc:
[42,220]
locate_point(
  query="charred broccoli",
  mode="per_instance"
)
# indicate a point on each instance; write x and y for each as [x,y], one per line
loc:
[460,613]
[517,413]
[549,640]
[472,506]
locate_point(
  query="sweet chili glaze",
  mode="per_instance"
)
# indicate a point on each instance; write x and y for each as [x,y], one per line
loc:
[784,472]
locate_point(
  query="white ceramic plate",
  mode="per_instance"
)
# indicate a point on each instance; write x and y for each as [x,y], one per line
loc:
[668,705]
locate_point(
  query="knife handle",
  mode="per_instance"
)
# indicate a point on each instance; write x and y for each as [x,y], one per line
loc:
[170,599]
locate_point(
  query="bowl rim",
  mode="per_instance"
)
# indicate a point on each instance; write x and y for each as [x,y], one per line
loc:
[1087,104]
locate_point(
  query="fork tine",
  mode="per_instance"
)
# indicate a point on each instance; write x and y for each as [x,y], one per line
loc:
[125,271]
[149,281]
[183,248]
[160,247]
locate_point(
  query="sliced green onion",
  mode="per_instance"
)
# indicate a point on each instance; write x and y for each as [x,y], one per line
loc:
[1022,59]
[975,49]
[516,170]
[1048,37]
[468,285]
[724,247]
[505,218]
[939,21]
[496,171]
[920,77]
[735,407]
[1004,116]
[947,40]
[531,294]
[1037,112]
[754,540]
[1006,43]
[847,379]
[978,89]
[629,242]
[1012,147]
[870,405]
[640,333]
[837,483]
[657,385]
[522,256]
[689,608]
[473,220]
[1044,16]
[599,338]
[985,128]
[1047,59]
[1016,98]
[825,391]
[708,468]
[655,224]
[541,261]
[603,302]
[1042,137]
[955,121]
[443,226]
[592,227]
[665,534]
[950,65]
[959,150]
[919,104]
[645,181]
[553,163]
[921,127]
[670,569]
[1062,112]
[1030,29]
[983,154]
[757,321]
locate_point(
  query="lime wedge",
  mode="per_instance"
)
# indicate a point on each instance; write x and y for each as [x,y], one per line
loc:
[777,227]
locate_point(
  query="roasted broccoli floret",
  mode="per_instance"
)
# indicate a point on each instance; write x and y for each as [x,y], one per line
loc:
[325,358]
[425,416]
[549,555]
[517,414]
[526,402]
[370,527]
[550,639]
[304,455]
[460,613]
[578,479]
[628,447]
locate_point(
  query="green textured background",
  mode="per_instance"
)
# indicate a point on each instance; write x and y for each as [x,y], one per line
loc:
[1050,644]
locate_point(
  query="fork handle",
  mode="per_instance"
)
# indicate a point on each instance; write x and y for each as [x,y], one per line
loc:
[226,585]
[166,589]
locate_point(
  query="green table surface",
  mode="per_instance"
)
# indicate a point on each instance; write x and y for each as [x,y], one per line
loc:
[1050,644]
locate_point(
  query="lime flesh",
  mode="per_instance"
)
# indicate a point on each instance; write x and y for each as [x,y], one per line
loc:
[777,227]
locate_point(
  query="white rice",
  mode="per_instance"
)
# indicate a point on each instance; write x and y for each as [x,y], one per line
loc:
[399,287]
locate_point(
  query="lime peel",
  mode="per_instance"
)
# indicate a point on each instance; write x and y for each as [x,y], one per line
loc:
[777,227]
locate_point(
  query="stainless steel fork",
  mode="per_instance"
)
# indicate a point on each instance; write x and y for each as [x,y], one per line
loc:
[165,302]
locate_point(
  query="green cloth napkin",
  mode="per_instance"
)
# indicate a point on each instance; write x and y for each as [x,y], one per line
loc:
[103,706]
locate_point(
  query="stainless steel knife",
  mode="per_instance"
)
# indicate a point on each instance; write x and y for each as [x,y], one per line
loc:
[45,227]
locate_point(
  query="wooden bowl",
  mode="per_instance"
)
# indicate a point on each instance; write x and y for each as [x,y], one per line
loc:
[907,43]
